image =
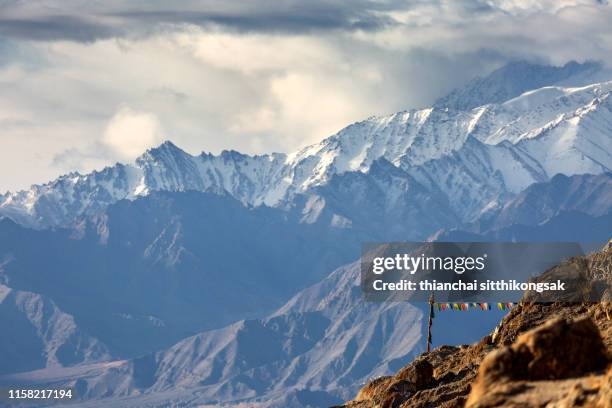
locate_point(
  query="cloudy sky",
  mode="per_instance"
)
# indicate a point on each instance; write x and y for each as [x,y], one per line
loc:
[84,84]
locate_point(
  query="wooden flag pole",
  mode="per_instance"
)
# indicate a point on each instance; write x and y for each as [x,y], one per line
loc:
[431,312]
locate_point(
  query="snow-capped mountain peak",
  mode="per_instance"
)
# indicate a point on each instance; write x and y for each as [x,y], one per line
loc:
[513,79]
[523,138]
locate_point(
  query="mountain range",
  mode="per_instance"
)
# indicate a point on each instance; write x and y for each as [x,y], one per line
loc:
[231,280]
[474,157]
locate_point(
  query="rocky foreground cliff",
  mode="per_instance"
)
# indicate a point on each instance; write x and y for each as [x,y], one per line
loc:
[540,355]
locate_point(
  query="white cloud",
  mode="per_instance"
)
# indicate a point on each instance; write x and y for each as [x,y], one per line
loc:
[129,133]
[533,6]
[255,53]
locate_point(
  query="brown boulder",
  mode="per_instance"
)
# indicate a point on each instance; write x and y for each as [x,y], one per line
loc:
[562,348]
[419,373]
[558,349]
[373,388]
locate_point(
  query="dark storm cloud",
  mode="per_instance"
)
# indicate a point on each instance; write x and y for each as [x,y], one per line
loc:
[49,28]
[85,22]
[297,19]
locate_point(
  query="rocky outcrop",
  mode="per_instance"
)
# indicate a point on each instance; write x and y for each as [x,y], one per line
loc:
[552,355]
[392,391]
